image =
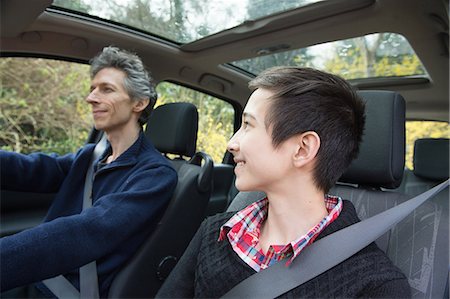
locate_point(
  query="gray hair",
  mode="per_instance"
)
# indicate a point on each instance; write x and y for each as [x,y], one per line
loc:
[138,82]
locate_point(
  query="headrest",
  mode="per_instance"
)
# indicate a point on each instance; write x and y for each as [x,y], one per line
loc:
[431,158]
[173,128]
[381,158]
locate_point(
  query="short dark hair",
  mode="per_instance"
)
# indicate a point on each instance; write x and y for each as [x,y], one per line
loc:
[138,81]
[306,99]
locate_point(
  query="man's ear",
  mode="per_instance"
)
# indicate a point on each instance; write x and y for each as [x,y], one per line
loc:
[140,105]
[308,144]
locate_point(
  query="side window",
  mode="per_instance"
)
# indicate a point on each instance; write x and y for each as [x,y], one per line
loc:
[422,129]
[216,117]
[42,105]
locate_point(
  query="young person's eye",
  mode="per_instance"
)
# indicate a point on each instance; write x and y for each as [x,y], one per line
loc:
[245,124]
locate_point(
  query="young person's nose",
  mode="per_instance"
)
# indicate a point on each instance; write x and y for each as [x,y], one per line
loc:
[233,144]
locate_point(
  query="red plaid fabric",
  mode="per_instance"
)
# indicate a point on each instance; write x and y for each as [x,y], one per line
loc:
[243,229]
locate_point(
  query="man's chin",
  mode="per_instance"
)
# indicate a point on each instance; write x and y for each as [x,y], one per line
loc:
[99,127]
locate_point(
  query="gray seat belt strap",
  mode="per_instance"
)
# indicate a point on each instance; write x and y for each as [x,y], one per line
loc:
[327,252]
[59,285]
[88,272]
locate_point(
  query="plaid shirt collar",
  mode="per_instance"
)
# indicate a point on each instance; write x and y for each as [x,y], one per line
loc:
[242,231]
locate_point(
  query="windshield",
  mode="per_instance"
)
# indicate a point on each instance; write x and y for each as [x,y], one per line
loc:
[182,21]
[374,55]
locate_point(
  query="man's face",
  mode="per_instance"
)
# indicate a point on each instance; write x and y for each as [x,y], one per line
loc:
[112,107]
[259,166]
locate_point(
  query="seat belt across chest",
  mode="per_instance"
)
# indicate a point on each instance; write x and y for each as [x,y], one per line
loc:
[326,252]
[59,285]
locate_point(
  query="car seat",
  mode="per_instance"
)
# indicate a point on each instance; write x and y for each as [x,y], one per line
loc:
[418,245]
[173,130]
[430,161]
[429,224]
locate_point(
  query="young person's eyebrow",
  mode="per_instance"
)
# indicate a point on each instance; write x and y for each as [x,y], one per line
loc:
[248,115]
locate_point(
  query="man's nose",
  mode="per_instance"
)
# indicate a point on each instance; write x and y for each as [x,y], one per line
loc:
[92,97]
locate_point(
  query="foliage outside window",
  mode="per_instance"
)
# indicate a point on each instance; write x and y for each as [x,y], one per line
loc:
[216,117]
[422,129]
[370,56]
[42,106]
[182,21]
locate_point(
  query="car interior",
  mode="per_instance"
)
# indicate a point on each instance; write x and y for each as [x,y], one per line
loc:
[202,55]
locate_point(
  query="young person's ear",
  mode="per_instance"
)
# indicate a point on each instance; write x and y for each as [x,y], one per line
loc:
[308,145]
[140,105]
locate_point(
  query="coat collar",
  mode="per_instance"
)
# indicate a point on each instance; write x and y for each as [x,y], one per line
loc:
[127,158]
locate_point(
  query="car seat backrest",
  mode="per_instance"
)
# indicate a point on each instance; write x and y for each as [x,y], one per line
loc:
[431,166]
[380,161]
[418,245]
[381,157]
[412,244]
[431,158]
[173,130]
[427,231]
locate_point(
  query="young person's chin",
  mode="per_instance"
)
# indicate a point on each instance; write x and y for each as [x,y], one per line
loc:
[243,187]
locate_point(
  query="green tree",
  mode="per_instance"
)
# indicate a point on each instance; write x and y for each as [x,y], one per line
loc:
[77,5]
[42,105]
[376,55]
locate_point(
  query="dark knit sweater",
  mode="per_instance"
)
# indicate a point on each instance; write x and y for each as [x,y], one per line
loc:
[208,269]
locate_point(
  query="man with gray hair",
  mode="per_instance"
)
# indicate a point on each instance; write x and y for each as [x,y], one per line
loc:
[131,185]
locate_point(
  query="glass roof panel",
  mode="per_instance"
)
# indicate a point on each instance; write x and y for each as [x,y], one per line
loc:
[182,21]
[370,56]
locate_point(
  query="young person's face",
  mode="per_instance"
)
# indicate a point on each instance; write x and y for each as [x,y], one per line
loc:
[112,107]
[259,166]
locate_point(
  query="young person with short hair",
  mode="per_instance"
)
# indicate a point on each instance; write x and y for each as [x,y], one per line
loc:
[300,130]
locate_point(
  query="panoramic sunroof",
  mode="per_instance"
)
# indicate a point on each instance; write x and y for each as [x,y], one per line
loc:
[182,21]
[370,56]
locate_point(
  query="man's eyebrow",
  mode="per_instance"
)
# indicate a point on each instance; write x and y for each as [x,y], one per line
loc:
[103,83]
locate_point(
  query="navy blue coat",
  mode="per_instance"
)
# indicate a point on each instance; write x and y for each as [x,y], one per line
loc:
[128,196]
